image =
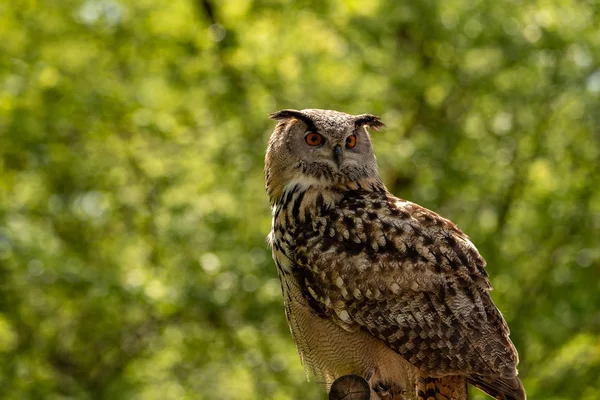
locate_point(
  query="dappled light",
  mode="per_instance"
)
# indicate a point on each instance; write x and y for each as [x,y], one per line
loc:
[133,214]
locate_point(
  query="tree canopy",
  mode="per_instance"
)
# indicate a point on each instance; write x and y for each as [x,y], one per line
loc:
[133,261]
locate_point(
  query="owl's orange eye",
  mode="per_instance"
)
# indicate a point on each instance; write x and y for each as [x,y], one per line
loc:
[314,139]
[351,141]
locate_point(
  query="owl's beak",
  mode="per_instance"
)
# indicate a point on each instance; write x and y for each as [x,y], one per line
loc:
[337,154]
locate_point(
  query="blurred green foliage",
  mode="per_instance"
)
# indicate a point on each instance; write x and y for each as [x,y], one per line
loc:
[133,263]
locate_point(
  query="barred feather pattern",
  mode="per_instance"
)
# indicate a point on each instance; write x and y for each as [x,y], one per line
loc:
[390,272]
[445,388]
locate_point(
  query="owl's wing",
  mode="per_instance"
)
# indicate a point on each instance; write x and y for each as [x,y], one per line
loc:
[413,280]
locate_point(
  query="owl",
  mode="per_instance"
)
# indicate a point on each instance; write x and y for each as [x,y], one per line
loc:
[374,285]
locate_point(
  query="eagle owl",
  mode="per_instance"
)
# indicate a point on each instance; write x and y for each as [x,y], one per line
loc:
[375,285]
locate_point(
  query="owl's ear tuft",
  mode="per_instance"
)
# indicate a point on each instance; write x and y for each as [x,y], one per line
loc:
[287,114]
[284,115]
[372,121]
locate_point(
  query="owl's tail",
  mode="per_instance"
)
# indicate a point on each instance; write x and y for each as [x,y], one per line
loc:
[443,388]
[500,388]
[455,387]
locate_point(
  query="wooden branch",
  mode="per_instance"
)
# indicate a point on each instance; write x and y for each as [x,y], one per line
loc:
[350,387]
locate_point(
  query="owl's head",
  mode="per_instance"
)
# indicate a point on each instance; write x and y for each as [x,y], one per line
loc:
[319,147]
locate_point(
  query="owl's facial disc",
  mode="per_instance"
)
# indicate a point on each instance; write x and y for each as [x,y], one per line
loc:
[323,147]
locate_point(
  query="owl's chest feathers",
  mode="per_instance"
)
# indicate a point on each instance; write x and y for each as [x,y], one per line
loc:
[295,214]
[321,235]
[347,220]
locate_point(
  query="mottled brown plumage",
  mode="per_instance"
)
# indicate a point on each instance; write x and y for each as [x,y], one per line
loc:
[375,285]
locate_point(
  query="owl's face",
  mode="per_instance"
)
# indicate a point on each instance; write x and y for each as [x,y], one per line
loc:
[319,146]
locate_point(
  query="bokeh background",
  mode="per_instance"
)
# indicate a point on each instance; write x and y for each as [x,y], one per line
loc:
[133,262]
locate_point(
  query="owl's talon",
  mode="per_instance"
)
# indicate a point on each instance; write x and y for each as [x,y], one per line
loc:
[382,388]
[384,391]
